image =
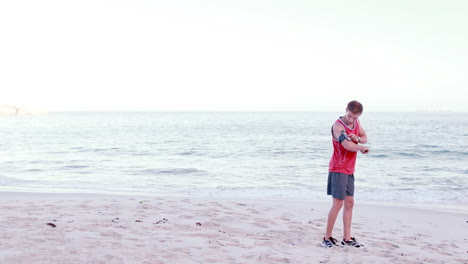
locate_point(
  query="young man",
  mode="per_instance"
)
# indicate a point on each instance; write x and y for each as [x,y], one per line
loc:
[347,135]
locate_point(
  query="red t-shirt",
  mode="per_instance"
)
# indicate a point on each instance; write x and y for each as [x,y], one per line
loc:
[343,160]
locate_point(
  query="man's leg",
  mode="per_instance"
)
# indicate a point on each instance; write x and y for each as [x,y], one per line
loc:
[336,207]
[347,217]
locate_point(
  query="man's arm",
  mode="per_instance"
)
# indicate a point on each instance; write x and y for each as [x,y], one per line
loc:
[362,135]
[348,144]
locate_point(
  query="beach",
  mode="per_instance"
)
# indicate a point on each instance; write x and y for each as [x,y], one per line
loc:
[95,228]
[198,132]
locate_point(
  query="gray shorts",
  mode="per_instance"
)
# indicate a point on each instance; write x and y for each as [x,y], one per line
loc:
[340,185]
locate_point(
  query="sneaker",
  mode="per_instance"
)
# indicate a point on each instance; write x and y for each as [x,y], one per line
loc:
[330,242]
[352,243]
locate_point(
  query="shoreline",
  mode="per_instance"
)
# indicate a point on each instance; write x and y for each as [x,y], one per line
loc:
[119,229]
[436,207]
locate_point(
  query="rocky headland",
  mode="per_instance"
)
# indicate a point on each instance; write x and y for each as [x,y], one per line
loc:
[15,110]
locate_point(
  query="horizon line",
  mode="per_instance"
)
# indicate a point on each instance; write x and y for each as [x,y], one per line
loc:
[259,111]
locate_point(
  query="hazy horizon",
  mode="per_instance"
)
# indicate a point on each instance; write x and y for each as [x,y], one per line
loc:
[248,111]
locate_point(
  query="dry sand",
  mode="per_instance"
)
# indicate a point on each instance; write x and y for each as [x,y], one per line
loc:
[134,230]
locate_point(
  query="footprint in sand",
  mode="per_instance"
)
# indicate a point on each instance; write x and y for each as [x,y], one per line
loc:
[110,233]
[253,211]
[186,216]
[261,225]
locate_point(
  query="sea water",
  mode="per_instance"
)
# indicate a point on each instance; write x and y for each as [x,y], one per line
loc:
[415,158]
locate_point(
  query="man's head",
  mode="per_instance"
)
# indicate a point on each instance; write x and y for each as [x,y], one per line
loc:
[355,107]
[353,111]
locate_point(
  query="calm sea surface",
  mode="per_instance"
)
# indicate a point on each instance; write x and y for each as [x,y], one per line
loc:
[415,157]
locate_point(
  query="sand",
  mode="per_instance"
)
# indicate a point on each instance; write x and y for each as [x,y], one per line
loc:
[98,229]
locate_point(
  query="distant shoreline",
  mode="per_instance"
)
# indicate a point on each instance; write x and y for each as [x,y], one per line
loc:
[246,111]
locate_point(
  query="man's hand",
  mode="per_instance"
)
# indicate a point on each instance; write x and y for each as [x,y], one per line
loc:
[354,138]
[364,149]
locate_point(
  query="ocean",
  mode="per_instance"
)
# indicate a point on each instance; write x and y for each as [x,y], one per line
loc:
[415,158]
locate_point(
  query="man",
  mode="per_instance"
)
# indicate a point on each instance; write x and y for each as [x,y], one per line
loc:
[347,135]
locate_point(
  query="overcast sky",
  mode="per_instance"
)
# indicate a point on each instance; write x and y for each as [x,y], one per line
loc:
[399,55]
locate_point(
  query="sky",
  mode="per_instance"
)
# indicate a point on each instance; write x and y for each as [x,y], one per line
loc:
[243,55]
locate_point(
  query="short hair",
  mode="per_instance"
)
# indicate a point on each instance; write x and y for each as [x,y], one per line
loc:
[355,107]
